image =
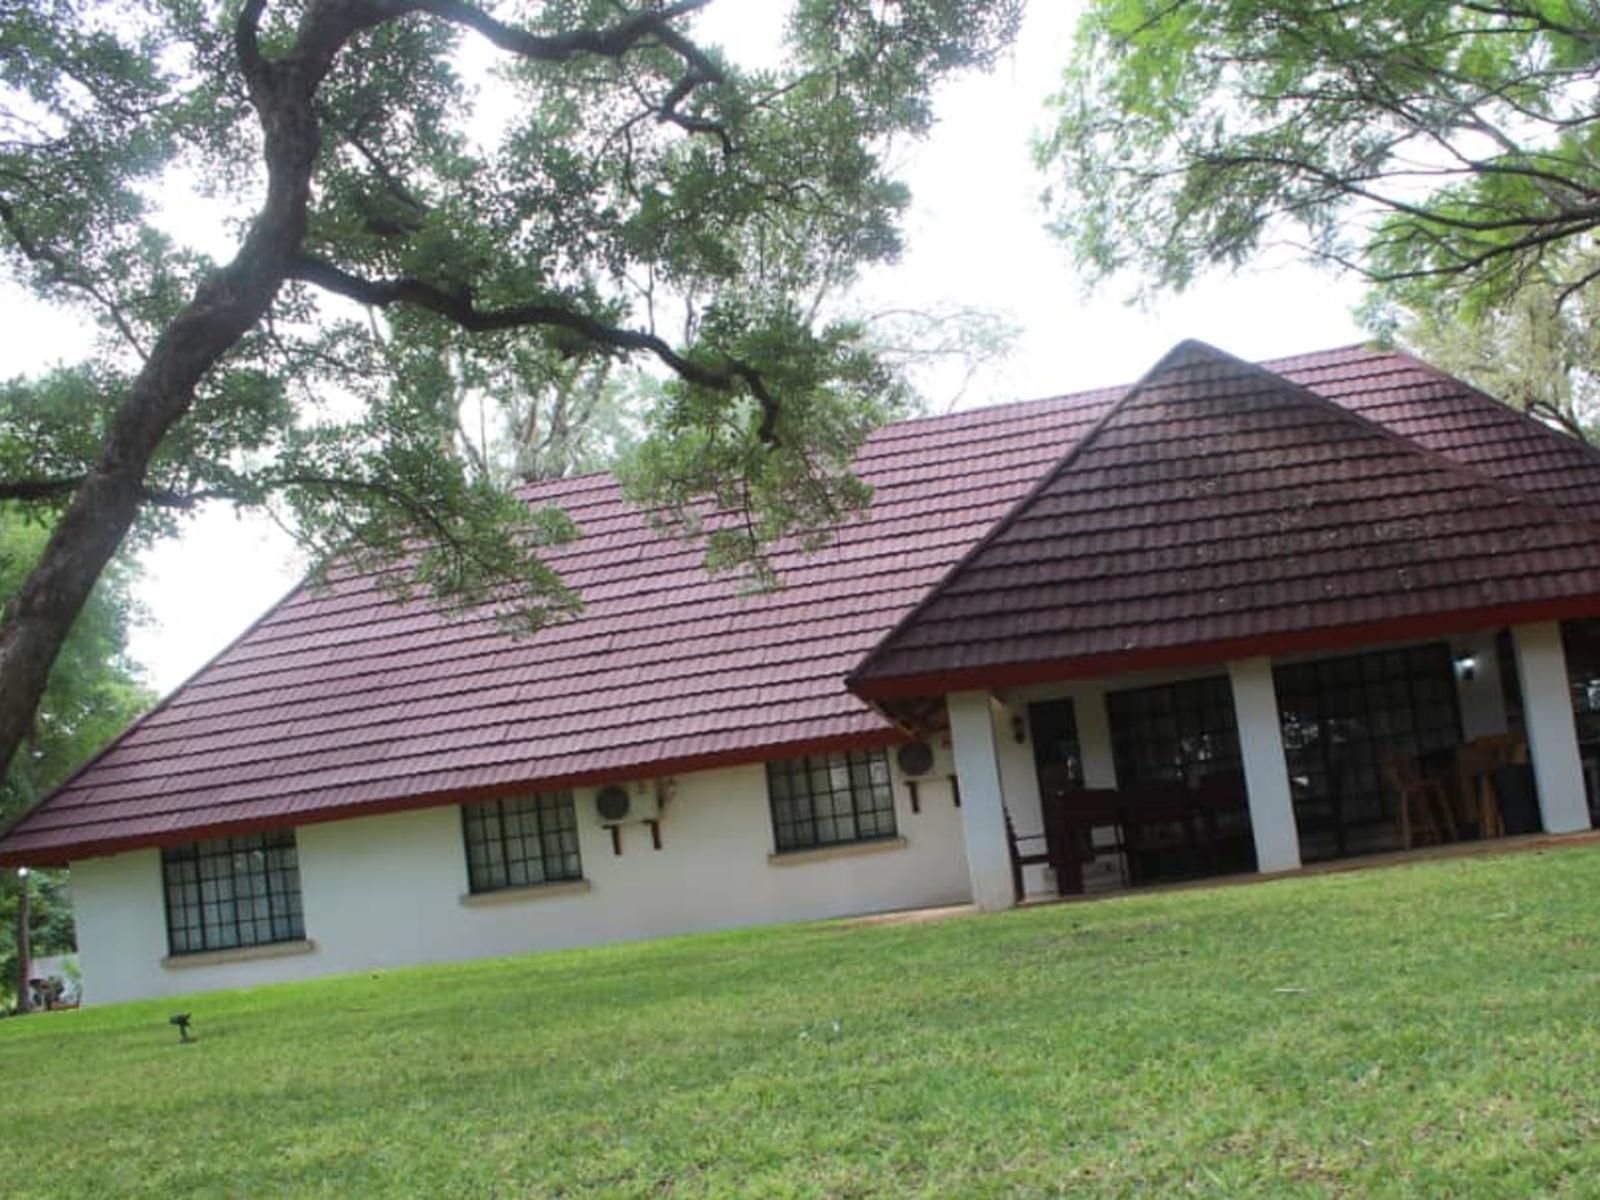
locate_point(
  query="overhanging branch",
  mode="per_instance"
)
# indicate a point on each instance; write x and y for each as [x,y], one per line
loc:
[460,309]
[59,488]
[60,270]
[613,42]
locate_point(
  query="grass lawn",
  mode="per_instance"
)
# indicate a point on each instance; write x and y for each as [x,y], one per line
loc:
[1431,1030]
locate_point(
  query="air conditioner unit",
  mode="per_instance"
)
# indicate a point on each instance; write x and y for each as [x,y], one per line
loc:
[620,804]
[923,759]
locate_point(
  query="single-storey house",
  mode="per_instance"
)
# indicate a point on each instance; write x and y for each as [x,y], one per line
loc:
[1232,617]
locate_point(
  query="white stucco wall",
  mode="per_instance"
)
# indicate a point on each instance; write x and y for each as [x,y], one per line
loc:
[1482,698]
[1019,783]
[386,891]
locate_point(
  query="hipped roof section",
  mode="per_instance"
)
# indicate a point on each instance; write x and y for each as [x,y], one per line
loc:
[1217,511]
[346,702]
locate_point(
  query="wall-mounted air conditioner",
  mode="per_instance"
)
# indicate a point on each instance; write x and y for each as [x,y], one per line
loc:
[622,804]
[924,759]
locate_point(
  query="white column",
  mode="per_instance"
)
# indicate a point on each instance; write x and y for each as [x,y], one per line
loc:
[1019,784]
[1266,773]
[983,820]
[1552,734]
[1094,736]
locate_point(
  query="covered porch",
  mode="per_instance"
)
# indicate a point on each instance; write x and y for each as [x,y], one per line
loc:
[1269,764]
[1238,627]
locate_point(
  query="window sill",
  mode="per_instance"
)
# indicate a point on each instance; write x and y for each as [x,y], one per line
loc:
[214,958]
[794,858]
[534,891]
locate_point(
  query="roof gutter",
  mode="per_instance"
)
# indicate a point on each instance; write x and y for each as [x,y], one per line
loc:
[1333,637]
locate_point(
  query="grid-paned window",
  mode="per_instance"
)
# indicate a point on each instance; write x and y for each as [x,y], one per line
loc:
[521,842]
[1053,726]
[1341,718]
[1179,732]
[231,892]
[826,799]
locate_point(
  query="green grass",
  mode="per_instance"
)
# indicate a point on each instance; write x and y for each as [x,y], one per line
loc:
[1430,1030]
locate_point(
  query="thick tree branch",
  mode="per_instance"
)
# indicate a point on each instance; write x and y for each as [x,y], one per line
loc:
[460,309]
[227,305]
[246,42]
[55,490]
[613,42]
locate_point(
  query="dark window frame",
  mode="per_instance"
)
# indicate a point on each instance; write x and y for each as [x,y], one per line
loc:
[260,874]
[521,842]
[1193,719]
[1342,715]
[1057,748]
[811,799]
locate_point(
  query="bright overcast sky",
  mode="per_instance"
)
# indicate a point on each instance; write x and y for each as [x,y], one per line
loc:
[976,238]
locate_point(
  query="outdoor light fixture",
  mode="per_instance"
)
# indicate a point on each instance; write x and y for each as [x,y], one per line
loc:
[182,1022]
[1467,667]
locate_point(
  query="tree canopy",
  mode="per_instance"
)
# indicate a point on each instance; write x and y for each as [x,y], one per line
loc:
[93,691]
[397,205]
[94,688]
[1534,350]
[1450,152]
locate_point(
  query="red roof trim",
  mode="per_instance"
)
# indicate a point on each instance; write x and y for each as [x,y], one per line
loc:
[155,709]
[1331,637]
[60,857]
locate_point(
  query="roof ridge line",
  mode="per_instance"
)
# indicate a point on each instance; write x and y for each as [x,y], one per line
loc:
[1007,518]
[1590,451]
[1435,458]
[1536,507]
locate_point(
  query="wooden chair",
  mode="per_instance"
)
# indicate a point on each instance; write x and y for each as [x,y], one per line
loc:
[1476,763]
[1424,809]
[1021,858]
[1077,815]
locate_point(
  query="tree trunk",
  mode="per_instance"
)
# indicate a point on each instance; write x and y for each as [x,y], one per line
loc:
[225,307]
[38,618]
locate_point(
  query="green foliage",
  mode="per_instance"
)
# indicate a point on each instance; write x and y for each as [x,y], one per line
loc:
[1533,350]
[50,923]
[491,231]
[742,477]
[1446,149]
[1425,1030]
[94,689]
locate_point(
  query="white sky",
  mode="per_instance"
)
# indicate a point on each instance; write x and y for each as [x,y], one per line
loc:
[976,238]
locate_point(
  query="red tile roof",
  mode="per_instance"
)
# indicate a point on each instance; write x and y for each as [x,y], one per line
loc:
[1219,510]
[343,702]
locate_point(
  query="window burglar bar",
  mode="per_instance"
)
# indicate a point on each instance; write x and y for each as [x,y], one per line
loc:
[1179,731]
[230,892]
[824,800]
[521,842]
